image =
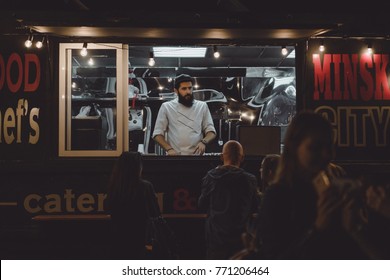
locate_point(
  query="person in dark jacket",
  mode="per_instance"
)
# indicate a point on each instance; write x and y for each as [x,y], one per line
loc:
[229,194]
[128,197]
[300,212]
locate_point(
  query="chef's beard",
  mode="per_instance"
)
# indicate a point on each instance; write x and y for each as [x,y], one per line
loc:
[186,101]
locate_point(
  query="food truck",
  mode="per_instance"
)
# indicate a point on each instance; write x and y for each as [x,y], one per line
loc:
[93,90]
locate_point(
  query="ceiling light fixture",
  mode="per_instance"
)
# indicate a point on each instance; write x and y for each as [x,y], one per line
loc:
[179,51]
[28,42]
[84,51]
[151,61]
[216,52]
[369,48]
[284,51]
[321,48]
[39,44]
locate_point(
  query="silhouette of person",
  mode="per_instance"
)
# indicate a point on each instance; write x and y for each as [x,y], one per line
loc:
[294,210]
[229,194]
[128,195]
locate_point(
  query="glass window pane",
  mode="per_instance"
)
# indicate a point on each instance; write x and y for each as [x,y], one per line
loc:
[91,109]
[245,86]
[93,101]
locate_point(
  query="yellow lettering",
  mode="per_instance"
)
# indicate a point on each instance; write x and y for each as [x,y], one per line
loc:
[101,197]
[53,204]
[19,114]
[32,198]
[85,199]
[9,122]
[69,196]
[34,137]
[69,202]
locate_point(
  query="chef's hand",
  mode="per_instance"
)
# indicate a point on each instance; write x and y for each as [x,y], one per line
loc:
[172,152]
[200,149]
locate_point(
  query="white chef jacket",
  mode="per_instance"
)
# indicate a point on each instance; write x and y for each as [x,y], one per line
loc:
[184,126]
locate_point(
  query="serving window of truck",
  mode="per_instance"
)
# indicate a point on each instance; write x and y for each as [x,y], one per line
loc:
[110,95]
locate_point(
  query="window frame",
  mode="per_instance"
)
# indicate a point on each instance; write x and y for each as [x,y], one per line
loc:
[65,95]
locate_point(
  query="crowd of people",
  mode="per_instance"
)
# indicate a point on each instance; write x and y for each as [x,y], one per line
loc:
[303,207]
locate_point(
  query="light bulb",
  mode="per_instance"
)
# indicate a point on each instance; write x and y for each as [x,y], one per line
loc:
[39,44]
[151,62]
[284,51]
[216,52]
[369,48]
[28,42]
[84,51]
